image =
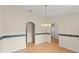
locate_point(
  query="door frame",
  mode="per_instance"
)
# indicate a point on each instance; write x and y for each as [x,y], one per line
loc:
[33,31]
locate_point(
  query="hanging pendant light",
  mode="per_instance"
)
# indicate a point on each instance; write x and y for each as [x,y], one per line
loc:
[45,24]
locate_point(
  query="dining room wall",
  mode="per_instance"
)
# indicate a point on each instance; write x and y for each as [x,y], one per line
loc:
[68,24]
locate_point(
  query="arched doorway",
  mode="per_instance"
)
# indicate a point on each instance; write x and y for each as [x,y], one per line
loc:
[30,32]
[54,33]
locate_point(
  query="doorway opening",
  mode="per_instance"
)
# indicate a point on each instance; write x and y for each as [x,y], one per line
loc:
[30,32]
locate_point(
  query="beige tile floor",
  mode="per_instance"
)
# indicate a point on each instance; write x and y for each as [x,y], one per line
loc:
[52,47]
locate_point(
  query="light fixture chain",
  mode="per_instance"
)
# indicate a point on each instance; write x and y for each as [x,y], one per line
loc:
[45,12]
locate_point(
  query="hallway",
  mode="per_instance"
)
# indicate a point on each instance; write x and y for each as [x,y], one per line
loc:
[45,48]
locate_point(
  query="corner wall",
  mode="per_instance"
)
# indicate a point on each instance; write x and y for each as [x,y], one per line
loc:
[1,21]
[1,30]
[68,24]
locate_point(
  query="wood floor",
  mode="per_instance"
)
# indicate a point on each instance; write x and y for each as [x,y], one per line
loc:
[52,47]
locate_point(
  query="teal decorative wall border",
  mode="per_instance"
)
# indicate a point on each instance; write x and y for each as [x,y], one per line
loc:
[10,36]
[21,35]
[69,35]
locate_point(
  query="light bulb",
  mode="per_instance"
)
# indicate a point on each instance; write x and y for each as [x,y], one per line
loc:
[45,25]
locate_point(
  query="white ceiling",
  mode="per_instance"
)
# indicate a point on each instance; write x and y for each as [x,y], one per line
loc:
[52,10]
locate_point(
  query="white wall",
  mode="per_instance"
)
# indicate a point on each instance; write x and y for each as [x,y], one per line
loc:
[15,20]
[0,21]
[1,27]
[12,44]
[68,24]
[70,43]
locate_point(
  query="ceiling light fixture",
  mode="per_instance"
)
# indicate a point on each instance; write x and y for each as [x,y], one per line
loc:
[45,24]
